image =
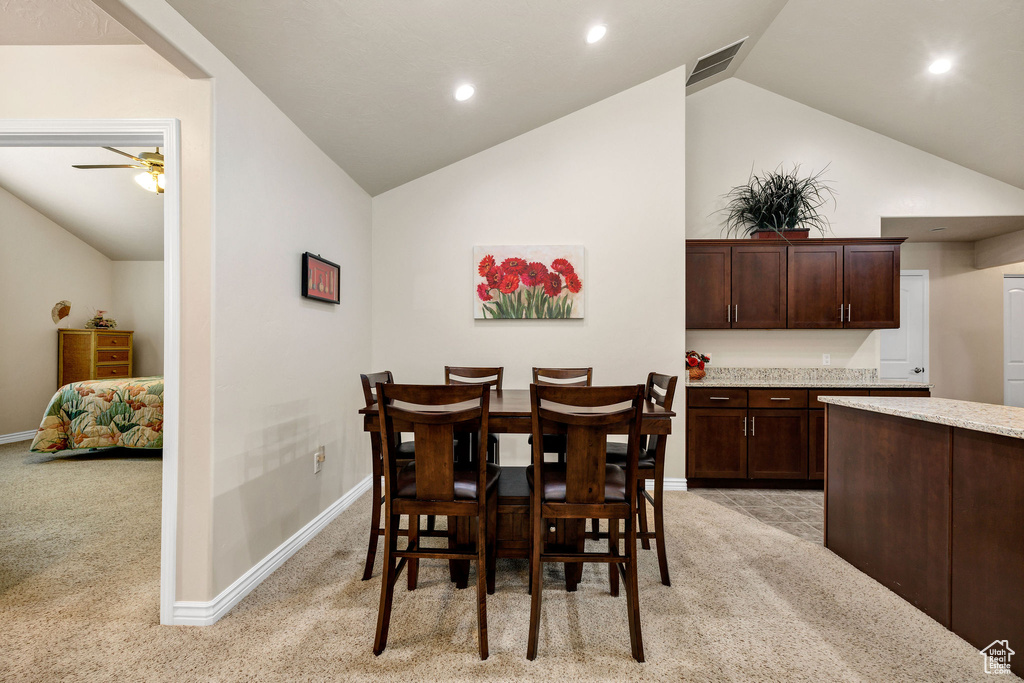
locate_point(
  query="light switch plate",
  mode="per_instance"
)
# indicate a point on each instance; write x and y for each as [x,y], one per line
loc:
[826,359]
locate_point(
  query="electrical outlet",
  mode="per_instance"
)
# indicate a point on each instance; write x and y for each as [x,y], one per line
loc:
[319,455]
[826,359]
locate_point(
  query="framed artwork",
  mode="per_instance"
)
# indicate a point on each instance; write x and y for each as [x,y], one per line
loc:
[530,282]
[320,279]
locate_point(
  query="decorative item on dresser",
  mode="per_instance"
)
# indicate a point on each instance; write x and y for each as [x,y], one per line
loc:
[93,354]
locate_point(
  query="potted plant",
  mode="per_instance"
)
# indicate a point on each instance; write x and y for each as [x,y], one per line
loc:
[779,203]
[695,364]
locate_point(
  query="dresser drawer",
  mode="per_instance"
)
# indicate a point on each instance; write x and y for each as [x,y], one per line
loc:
[815,393]
[777,398]
[113,339]
[105,371]
[716,398]
[106,356]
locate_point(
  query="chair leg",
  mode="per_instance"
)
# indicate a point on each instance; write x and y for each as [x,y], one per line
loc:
[632,594]
[536,586]
[641,504]
[481,585]
[659,526]
[613,548]
[414,544]
[430,522]
[387,586]
[371,550]
[492,540]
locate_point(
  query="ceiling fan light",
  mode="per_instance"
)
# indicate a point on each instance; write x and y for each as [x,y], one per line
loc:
[150,182]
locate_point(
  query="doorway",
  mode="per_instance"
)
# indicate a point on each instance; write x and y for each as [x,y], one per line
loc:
[163,133]
[904,351]
[1013,340]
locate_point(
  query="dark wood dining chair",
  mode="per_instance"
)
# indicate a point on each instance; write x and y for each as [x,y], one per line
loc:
[659,390]
[491,377]
[584,487]
[434,484]
[560,377]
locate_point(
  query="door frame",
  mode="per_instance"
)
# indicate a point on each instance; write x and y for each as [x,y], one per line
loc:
[924,322]
[1006,329]
[164,133]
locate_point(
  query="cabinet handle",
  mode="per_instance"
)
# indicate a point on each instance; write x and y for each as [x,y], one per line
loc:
[728,313]
[849,315]
[736,313]
[776,398]
[719,398]
[840,313]
[753,423]
[744,426]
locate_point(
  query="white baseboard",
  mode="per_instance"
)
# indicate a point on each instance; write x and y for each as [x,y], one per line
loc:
[17,436]
[188,613]
[671,484]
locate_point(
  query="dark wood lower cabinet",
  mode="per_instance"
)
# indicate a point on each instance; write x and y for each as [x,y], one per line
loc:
[815,444]
[717,442]
[777,445]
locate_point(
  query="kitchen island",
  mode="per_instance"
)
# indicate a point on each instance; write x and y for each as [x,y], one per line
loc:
[926,495]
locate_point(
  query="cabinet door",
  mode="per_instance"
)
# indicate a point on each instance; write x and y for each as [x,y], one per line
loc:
[777,445]
[716,443]
[871,289]
[759,287]
[815,288]
[708,281]
[816,444]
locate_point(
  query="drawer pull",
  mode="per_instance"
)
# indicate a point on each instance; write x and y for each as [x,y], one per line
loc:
[778,398]
[719,398]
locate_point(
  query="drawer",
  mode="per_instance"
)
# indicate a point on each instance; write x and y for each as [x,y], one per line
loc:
[813,395]
[108,339]
[905,393]
[104,371]
[716,398]
[112,356]
[777,398]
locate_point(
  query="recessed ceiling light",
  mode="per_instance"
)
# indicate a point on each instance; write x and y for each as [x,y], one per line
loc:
[596,33]
[464,92]
[937,229]
[940,66]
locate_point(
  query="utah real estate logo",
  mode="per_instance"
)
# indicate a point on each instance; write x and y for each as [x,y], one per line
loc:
[997,657]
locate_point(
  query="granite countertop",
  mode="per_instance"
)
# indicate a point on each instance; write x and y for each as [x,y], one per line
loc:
[980,417]
[825,378]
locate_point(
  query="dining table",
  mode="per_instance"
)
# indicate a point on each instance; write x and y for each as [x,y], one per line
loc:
[509,412]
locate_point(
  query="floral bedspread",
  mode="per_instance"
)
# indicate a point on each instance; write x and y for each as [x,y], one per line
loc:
[104,413]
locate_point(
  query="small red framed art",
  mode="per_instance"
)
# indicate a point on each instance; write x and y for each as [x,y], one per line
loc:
[320,279]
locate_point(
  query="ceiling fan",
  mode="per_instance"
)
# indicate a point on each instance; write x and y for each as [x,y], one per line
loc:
[151,179]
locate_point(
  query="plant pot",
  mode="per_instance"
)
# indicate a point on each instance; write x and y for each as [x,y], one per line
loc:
[786,234]
[696,373]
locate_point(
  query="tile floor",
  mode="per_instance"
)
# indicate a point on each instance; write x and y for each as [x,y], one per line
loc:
[801,513]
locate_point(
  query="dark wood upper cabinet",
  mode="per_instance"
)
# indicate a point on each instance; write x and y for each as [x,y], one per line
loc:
[708,286]
[815,286]
[872,286]
[759,287]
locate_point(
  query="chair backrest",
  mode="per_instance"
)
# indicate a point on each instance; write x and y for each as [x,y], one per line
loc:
[370,381]
[433,413]
[661,391]
[467,375]
[563,377]
[586,415]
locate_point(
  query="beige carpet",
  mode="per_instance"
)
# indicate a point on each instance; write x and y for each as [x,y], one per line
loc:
[79,542]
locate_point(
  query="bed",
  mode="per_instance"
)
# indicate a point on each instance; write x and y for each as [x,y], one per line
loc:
[103,413]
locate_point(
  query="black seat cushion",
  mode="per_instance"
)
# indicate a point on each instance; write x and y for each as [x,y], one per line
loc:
[407,449]
[553,443]
[465,481]
[617,455]
[554,482]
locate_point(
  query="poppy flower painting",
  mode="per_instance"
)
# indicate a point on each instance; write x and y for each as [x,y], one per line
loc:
[528,282]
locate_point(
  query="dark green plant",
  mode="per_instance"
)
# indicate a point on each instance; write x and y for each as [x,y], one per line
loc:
[779,200]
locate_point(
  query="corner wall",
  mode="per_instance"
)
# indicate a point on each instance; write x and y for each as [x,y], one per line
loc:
[610,177]
[734,126]
[139,306]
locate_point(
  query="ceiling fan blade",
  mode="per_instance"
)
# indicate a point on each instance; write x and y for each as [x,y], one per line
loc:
[106,166]
[126,154]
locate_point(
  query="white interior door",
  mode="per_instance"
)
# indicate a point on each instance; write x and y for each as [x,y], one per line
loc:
[1013,340]
[904,352]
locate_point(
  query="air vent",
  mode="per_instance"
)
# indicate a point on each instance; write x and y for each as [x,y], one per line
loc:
[714,63]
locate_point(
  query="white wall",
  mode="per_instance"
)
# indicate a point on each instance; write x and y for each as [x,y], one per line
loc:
[733,126]
[139,306]
[41,263]
[609,177]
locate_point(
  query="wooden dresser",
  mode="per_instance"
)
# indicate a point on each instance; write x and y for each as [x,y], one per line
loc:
[93,354]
